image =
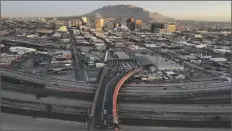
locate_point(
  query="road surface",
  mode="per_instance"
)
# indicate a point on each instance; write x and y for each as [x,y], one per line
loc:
[25,123]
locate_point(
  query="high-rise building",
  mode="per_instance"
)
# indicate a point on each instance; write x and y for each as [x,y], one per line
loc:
[69,23]
[155,27]
[74,22]
[116,25]
[138,24]
[131,19]
[171,27]
[102,22]
[99,23]
[131,26]
[84,19]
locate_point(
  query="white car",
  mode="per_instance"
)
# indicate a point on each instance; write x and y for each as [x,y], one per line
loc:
[105,111]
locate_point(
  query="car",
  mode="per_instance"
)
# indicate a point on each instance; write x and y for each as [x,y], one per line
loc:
[105,111]
[104,122]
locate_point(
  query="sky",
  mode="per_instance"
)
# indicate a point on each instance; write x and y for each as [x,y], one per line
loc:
[184,10]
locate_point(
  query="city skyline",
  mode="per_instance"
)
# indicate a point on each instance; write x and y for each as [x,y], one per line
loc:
[180,10]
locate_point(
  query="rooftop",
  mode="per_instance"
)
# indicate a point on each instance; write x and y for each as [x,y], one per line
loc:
[161,62]
[121,55]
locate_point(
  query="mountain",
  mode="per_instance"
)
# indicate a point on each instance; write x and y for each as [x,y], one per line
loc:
[120,12]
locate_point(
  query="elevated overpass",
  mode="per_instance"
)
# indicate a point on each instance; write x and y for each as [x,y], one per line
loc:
[101,109]
[51,81]
[115,95]
[193,113]
[111,85]
[194,96]
[39,79]
[33,44]
[161,93]
[102,112]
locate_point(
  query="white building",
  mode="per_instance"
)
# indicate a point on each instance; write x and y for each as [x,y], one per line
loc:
[150,45]
[100,46]
[201,46]
[56,34]
[218,59]
[222,51]
[21,50]
[198,36]
[65,40]
[32,36]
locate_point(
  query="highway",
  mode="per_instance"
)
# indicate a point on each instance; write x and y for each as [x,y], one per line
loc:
[124,108]
[177,85]
[115,95]
[23,42]
[174,86]
[167,112]
[26,123]
[134,112]
[40,79]
[78,93]
[129,95]
[101,109]
[181,108]
[98,109]
[43,80]
[46,100]
[108,98]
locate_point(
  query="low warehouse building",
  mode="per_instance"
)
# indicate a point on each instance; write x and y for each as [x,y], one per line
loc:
[121,55]
[160,62]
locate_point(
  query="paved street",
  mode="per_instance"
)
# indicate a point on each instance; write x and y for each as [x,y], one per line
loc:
[17,122]
[80,72]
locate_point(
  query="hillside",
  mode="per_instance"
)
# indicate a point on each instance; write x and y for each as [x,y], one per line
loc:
[120,12]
